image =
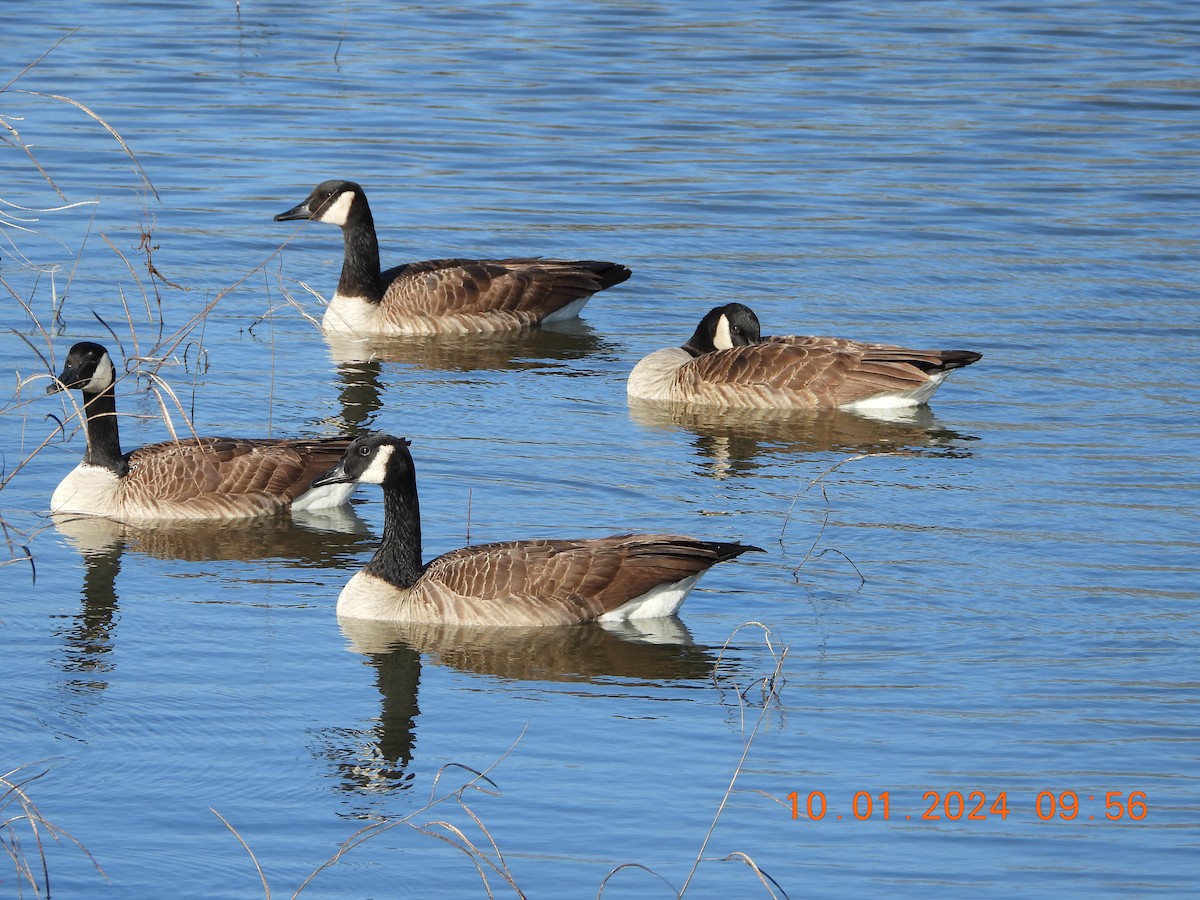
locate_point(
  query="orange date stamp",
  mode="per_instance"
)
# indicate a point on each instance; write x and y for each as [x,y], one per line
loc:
[976,806]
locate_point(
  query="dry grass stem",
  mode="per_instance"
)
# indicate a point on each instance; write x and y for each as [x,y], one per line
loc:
[25,70]
[19,141]
[766,880]
[11,220]
[19,814]
[638,866]
[849,459]
[313,320]
[824,520]
[769,685]
[477,781]
[120,140]
[262,876]
[138,281]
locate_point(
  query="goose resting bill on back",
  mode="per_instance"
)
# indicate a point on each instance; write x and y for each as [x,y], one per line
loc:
[441,296]
[727,362]
[529,582]
[191,478]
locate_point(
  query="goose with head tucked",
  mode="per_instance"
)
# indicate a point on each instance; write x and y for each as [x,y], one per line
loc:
[190,478]
[441,296]
[524,582]
[727,362]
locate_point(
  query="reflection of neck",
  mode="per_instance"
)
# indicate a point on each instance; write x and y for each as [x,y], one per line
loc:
[399,673]
[360,394]
[104,443]
[398,559]
[360,267]
[92,635]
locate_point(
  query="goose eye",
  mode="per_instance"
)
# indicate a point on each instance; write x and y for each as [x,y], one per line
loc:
[364,451]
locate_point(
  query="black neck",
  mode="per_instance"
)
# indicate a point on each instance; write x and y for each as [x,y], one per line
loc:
[360,268]
[701,341]
[398,559]
[104,443]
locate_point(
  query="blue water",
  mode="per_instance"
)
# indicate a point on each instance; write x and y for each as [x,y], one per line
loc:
[996,596]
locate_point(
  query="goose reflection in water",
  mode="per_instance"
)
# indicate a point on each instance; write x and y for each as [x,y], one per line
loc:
[360,362]
[360,395]
[376,758]
[315,540]
[729,440]
[529,348]
[87,635]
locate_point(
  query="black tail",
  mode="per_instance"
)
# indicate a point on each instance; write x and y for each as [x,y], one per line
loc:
[731,550]
[956,359]
[607,273]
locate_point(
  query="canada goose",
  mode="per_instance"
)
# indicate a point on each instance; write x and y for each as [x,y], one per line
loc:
[530,582]
[727,362]
[441,296]
[192,478]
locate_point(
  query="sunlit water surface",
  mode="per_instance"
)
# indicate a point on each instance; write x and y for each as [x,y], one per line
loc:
[995,596]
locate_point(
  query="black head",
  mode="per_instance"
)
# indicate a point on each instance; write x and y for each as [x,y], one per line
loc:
[330,201]
[723,327]
[371,459]
[88,368]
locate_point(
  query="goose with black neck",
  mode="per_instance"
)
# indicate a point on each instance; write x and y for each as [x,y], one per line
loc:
[190,478]
[441,296]
[523,582]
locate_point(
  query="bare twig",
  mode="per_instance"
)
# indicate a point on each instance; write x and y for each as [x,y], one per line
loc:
[824,520]
[807,487]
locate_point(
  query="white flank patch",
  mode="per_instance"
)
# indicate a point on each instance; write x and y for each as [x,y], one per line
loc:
[325,497]
[656,603]
[377,470]
[915,397]
[570,311]
[723,340]
[87,489]
[351,316]
[338,212]
[103,377]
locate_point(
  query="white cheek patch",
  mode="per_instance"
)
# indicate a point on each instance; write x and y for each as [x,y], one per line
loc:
[103,378]
[722,339]
[338,212]
[377,470]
